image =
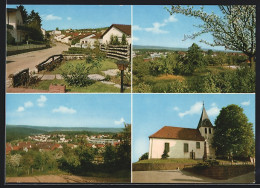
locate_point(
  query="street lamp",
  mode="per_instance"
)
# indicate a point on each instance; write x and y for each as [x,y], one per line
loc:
[122,65]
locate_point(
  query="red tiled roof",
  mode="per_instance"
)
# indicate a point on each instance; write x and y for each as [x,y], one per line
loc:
[178,133]
[100,145]
[124,28]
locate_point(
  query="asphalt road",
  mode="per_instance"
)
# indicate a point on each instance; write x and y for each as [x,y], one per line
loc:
[175,176]
[29,60]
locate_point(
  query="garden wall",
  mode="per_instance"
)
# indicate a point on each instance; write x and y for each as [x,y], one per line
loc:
[67,57]
[222,172]
[119,52]
[157,166]
[19,51]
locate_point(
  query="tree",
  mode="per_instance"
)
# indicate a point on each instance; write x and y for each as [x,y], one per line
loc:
[235,29]
[144,156]
[233,135]
[124,41]
[165,154]
[192,60]
[23,13]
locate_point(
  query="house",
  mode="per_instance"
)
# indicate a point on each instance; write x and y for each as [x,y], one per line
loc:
[43,32]
[90,39]
[117,30]
[55,32]
[184,142]
[14,22]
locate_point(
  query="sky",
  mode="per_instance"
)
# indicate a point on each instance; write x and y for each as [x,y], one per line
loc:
[153,111]
[80,16]
[63,110]
[153,26]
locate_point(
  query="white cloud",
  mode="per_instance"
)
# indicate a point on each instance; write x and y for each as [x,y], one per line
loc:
[246,103]
[51,17]
[135,38]
[213,104]
[171,19]
[122,120]
[64,110]
[195,109]
[137,28]
[69,18]
[41,101]
[28,104]
[214,111]
[156,28]
[176,108]
[20,109]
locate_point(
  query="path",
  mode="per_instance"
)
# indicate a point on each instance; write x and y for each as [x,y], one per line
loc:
[180,176]
[63,179]
[29,60]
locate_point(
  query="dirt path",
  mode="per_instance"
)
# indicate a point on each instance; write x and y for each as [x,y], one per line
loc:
[64,179]
[29,60]
[175,176]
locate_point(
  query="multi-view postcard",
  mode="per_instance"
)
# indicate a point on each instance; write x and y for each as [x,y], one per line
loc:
[126,94]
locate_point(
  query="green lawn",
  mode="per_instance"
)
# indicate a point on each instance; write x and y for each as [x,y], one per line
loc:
[105,65]
[179,161]
[97,87]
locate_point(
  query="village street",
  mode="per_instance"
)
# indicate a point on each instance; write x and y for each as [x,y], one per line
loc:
[180,176]
[29,60]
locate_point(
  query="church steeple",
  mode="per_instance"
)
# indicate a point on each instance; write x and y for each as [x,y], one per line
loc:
[204,119]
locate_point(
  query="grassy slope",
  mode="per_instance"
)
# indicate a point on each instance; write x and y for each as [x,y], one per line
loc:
[183,161]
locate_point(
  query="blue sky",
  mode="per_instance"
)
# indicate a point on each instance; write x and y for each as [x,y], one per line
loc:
[153,26]
[153,111]
[79,110]
[80,16]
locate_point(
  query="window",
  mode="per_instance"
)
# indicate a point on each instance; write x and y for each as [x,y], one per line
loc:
[198,145]
[205,130]
[209,130]
[166,147]
[186,147]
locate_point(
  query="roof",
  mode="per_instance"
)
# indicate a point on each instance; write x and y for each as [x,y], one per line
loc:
[124,28]
[204,119]
[179,133]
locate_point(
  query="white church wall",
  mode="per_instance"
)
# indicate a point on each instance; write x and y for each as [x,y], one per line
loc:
[176,148]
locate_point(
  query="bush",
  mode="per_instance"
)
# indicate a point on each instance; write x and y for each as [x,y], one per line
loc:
[10,38]
[144,156]
[172,87]
[206,164]
[165,154]
[143,88]
[77,75]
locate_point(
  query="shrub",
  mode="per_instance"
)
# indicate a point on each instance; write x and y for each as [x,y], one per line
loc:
[165,154]
[144,156]
[143,88]
[10,38]
[172,87]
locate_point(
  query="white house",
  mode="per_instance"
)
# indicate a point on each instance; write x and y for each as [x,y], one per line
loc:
[43,32]
[184,142]
[91,39]
[117,30]
[66,39]
[55,32]
[14,22]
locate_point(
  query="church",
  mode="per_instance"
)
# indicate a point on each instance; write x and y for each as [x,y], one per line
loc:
[184,142]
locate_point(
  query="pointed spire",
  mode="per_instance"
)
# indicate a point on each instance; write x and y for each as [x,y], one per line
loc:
[204,119]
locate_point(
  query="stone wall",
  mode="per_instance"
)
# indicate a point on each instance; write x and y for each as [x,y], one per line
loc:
[68,57]
[222,172]
[157,166]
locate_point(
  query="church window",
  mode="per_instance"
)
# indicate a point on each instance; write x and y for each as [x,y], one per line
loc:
[198,145]
[209,130]
[205,130]
[166,147]
[186,147]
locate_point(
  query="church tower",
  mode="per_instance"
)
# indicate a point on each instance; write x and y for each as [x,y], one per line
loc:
[207,131]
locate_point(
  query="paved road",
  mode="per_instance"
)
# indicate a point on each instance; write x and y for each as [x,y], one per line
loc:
[29,60]
[64,179]
[175,176]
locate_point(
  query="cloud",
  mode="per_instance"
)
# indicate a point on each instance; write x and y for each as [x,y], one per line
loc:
[69,18]
[156,28]
[135,39]
[137,28]
[194,109]
[41,101]
[51,17]
[246,103]
[214,111]
[213,104]
[64,110]
[122,120]
[171,19]
[20,109]
[176,108]
[28,104]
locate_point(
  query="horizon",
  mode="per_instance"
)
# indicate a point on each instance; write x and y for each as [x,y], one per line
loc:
[65,127]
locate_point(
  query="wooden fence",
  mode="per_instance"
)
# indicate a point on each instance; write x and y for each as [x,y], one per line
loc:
[119,52]
[50,63]
[20,78]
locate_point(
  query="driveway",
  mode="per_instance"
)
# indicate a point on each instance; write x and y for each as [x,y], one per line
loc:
[29,60]
[180,176]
